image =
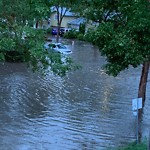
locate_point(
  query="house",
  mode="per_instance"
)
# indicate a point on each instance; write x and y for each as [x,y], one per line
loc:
[70,20]
[68,17]
[75,24]
[42,24]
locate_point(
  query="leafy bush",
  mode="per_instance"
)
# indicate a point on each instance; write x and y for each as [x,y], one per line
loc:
[41,31]
[49,31]
[72,34]
[82,28]
[89,36]
[80,37]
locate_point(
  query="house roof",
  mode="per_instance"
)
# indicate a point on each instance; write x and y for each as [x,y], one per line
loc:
[77,21]
[63,9]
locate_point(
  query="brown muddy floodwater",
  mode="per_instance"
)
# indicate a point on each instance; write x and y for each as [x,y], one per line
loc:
[86,110]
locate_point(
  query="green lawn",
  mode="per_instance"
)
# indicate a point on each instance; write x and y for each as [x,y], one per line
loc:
[134,146]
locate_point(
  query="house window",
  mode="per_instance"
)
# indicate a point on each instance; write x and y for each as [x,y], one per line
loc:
[55,17]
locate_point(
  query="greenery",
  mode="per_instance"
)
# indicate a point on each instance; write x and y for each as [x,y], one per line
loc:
[123,32]
[82,28]
[19,41]
[71,34]
[122,35]
[134,146]
[80,37]
[89,36]
[49,31]
[61,8]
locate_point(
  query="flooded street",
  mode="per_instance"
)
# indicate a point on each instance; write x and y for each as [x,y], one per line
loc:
[86,110]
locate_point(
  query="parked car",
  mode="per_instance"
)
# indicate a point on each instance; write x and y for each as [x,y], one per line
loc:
[61,32]
[55,30]
[58,47]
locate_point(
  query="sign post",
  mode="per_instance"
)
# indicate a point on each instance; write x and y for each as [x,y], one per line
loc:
[136,105]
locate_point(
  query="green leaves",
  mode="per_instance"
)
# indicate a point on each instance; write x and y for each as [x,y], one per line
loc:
[19,41]
[7,44]
[124,38]
[2,58]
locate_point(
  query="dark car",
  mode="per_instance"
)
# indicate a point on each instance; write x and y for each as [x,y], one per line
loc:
[55,30]
[61,32]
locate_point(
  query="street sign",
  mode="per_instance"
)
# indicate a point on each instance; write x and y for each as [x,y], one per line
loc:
[136,104]
[135,113]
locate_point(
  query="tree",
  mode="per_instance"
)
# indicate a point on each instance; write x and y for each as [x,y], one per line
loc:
[40,9]
[82,28]
[123,36]
[61,8]
[19,41]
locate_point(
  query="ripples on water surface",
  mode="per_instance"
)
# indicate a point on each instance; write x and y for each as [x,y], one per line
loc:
[86,110]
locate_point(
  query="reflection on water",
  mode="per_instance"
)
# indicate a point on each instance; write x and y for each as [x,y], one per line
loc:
[86,110]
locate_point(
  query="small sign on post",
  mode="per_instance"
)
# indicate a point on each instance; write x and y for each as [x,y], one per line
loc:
[136,105]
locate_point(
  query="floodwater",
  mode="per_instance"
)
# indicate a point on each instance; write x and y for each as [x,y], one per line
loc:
[86,110]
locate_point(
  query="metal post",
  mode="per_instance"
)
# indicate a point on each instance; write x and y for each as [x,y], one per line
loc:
[148,141]
[136,105]
[137,125]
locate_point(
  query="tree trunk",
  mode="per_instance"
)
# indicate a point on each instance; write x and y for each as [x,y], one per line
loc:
[143,82]
[37,23]
[142,94]
[58,31]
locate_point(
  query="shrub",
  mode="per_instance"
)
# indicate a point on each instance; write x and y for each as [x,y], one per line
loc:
[80,37]
[89,36]
[49,31]
[72,34]
[82,28]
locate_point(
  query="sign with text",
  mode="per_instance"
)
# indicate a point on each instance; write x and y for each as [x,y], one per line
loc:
[136,104]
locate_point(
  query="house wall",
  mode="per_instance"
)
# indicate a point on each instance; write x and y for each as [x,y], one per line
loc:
[42,24]
[53,20]
[45,24]
[67,19]
[64,23]
[73,26]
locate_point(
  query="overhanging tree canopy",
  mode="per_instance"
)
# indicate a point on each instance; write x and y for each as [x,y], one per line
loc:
[19,41]
[62,7]
[123,36]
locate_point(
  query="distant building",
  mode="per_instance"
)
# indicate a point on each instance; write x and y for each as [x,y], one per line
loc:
[75,24]
[69,16]
[70,20]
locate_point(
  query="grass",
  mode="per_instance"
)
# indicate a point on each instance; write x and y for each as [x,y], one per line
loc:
[134,146]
